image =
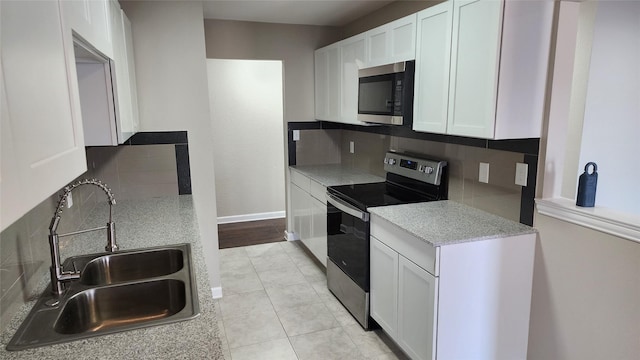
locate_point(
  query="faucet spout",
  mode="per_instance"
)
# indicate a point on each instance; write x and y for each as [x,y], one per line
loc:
[58,275]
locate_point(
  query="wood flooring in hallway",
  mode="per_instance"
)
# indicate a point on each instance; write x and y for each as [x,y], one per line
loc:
[251,233]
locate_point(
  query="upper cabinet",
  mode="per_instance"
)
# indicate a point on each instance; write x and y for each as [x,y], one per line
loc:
[433,56]
[125,86]
[91,21]
[497,71]
[392,42]
[105,72]
[336,80]
[41,125]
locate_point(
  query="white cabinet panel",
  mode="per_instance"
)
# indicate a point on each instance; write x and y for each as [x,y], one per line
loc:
[417,292]
[43,112]
[133,87]
[353,58]
[309,214]
[318,237]
[126,117]
[475,58]
[384,286]
[91,20]
[392,42]
[433,55]
[322,84]
[328,83]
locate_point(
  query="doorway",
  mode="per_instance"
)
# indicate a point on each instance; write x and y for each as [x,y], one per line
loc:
[247,111]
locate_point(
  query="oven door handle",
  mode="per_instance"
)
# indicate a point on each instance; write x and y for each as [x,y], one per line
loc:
[347,208]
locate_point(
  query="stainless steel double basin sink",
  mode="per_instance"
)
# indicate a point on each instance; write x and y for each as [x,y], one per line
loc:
[116,292]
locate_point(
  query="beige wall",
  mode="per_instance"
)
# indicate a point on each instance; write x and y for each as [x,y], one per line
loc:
[388,13]
[586,294]
[246,113]
[170,60]
[293,44]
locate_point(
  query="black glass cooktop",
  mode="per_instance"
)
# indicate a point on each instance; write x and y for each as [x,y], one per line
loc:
[378,194]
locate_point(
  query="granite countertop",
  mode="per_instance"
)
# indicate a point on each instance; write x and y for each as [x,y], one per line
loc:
[441,223]
[139,224]
[336,174]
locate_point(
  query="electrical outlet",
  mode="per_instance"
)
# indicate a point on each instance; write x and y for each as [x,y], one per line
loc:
[352,147]
[522,172]
[69,201]
[483,174]
[296,135]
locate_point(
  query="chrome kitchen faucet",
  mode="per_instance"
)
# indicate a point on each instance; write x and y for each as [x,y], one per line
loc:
[58,275]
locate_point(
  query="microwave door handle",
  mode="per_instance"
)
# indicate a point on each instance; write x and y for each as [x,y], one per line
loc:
[347,208]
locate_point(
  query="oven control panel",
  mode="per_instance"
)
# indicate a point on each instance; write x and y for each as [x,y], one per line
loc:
[414,167]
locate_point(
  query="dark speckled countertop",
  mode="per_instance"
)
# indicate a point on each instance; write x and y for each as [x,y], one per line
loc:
[139,224]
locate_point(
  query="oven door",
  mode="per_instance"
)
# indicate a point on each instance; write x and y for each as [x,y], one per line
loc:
[348,240]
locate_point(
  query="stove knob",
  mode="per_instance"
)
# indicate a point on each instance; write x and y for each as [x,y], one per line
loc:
[428,170]
[392,161]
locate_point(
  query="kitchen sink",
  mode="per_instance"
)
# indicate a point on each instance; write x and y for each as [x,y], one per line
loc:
[122,267]
[112,307]
[116,292]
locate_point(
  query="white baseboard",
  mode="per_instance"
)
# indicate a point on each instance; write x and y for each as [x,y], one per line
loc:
[251,217]
[216,292]
[291,236]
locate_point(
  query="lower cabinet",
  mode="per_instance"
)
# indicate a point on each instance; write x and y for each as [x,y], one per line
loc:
[403,300]
[468,300]
[309,212]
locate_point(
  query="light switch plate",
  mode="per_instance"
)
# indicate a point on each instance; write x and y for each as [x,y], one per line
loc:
[352,147]
[296,135]
[483,174]
[522,172]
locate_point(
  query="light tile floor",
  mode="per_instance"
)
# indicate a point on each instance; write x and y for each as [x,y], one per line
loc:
[276,305]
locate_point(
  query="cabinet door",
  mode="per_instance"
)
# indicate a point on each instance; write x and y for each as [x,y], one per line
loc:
[318,242]
[335,83]
[353,57]
[322,84]
[90,19]
[402,34]
[301,214]
[417,291]
[384,286]
[475,56]
[392,42]
[42,105]
[433,55]
[133,87]
[122,83]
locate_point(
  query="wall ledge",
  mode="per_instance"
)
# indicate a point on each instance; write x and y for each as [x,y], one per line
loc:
[617,223]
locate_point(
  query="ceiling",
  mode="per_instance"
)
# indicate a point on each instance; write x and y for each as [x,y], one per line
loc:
[301,12]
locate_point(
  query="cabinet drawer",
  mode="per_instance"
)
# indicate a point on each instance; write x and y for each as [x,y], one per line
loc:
[302,181]
[409,246]
[318,191]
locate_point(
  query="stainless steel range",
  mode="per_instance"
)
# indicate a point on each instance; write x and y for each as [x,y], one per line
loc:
[410,178]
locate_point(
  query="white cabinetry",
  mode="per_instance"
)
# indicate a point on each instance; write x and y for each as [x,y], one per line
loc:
[430,300]
[125,83]
[353,52]
[497,71]
[336,80]
[41,122]
[309,211]
[91,21]
[433,55]
[392,42]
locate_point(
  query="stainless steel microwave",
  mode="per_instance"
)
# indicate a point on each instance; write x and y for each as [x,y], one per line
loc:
[385,94]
